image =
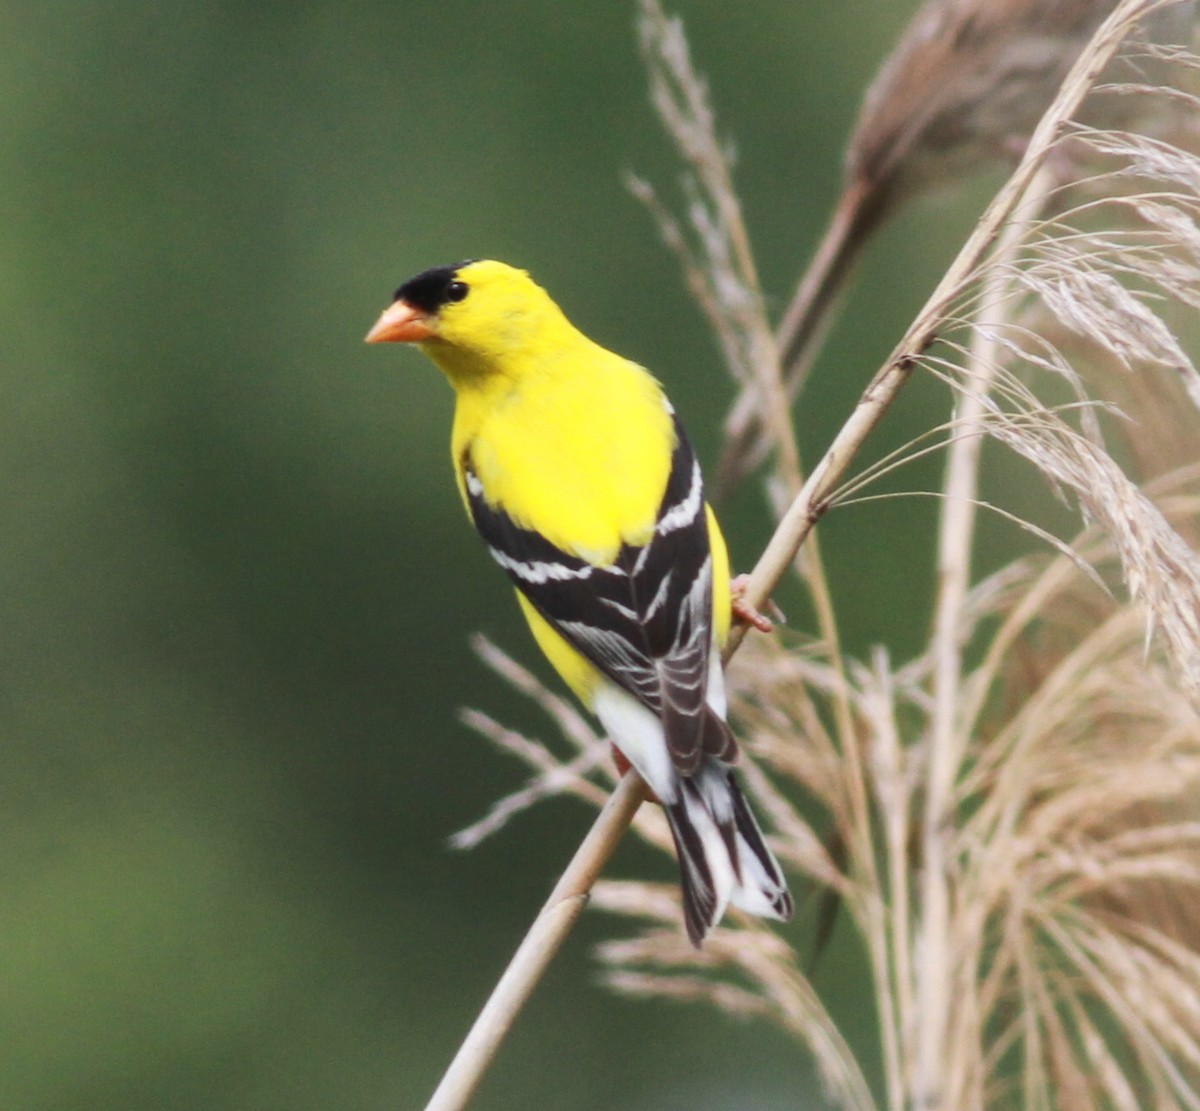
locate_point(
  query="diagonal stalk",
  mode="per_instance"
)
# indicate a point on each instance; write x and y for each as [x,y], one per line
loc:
[538,948]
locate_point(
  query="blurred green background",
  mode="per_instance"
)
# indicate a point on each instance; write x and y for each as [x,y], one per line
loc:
[238,586]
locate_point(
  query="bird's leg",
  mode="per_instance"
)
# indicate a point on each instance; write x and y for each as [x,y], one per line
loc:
[621,761]
[748,614]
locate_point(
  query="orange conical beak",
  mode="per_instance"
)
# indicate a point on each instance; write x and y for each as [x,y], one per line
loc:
[401,323]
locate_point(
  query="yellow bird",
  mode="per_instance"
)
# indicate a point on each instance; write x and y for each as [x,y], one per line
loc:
[576,472]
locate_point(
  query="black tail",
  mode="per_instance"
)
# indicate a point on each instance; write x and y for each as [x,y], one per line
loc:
[722,855]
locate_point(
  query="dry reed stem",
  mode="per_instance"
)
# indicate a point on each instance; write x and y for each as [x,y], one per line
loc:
[537,949]
[722,275]
[728,277]
[933,996]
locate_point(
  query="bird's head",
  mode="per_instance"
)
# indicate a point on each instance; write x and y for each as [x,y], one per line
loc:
[467,312]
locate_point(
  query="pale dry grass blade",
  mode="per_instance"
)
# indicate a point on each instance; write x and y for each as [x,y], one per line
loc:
[569,778]
[720,266]
[554,775]
[571,724]
[735,967]
[1159,568]
[947,743]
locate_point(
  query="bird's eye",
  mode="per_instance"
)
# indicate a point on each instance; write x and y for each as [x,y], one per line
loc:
[456,291]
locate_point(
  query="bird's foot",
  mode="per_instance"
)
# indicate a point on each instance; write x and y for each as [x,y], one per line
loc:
[623,765]
[747,613]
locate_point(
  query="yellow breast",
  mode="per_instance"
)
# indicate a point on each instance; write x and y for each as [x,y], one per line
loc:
[578,449]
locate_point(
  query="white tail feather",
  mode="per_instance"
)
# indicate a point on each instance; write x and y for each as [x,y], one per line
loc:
[723,858]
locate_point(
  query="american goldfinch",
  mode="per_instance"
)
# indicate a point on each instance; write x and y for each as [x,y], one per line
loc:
[576,472]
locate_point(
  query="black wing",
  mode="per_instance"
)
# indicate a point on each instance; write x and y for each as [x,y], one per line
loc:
[646,620]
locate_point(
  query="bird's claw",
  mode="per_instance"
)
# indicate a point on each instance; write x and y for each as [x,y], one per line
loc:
[747,613]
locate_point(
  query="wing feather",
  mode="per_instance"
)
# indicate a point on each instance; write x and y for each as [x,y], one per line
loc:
[646,619]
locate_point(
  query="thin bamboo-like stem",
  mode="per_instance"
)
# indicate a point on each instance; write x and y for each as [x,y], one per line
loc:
[537,950]
[934,957]
[932,992]
[799,335]
[885,924]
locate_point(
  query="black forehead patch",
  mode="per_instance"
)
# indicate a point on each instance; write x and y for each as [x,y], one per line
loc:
[428,291]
